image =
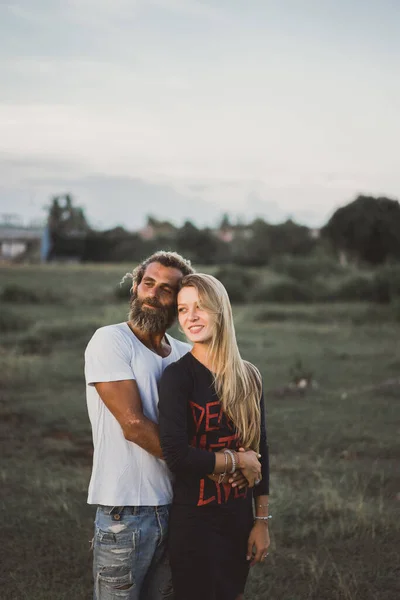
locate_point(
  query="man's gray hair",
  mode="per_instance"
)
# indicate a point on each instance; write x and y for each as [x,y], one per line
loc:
[165,258]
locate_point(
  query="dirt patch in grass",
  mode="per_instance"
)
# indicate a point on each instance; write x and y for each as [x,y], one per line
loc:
[16,419]
[58,434]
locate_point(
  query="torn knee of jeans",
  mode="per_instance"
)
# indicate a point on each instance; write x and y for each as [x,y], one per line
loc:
[116,577]
[124,587]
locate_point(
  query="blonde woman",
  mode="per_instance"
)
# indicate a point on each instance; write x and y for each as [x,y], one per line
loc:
[211,406]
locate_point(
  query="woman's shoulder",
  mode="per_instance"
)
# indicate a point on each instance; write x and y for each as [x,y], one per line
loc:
[178,369]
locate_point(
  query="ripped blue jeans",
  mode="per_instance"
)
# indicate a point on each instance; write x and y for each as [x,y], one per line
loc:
[130,555]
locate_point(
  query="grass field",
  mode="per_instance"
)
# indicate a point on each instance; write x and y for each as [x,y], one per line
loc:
[335,450]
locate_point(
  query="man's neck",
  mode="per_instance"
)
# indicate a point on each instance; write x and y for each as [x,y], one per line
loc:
[156,342]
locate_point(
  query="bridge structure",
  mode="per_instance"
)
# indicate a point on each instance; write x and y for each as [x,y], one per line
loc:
[14,240]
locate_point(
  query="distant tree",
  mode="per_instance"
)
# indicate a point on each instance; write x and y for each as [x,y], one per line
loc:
[253,249]
[200,245]
[290,238]
[266,241]
[225,223]
[55,212]
[160,229]
[152,221]
[367,229]
[114,245]
[65,218]
[67,229]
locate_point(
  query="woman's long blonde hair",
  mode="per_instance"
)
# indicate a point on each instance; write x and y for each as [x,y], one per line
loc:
[237,382]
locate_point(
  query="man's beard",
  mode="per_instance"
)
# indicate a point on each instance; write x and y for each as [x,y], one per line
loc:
[152,320]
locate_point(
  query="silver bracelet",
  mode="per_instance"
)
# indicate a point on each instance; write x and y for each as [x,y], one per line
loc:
[233,459]
[222,475]
[264,518]
[233,462]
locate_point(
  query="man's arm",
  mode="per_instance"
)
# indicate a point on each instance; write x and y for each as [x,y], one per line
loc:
[122,399]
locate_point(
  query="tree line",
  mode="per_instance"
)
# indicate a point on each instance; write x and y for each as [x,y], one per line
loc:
[365,231]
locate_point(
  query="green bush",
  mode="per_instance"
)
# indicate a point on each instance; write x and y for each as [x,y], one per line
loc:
[383,287]
[275,316]
[355,289]
[395,307]
[351,313]
[280,315]
[11,320]
[47,336]
[34,344]
[387,283]
[18,294]
[306,268]
[123,290]
[284,291]
[372,314]
[238,282]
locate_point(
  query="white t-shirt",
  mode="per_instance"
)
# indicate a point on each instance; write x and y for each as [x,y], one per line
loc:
[123,473]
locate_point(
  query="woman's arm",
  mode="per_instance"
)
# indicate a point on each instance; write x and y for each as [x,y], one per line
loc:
[176,387]
[262,489]
[259,541]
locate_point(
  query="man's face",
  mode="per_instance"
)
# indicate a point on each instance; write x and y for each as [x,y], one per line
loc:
[153,302]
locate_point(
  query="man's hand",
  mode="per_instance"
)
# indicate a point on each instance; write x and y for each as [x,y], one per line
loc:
[122,399]
[250,466]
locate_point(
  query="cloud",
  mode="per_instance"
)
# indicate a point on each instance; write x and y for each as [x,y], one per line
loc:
[23,11]
[258,205]
[199,187]
[28,184]
[268,116]
[192,8]
[106,13]
[127,201]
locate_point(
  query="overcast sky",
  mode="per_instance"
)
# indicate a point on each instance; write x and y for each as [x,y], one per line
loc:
[188,109]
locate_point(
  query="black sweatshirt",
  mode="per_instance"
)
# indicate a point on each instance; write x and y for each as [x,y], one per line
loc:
[192,428]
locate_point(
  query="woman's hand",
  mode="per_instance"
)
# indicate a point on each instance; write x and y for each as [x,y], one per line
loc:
[236,480]
[258,544]
[250,466]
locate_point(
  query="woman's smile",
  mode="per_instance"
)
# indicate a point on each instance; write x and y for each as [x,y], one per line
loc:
[196,328]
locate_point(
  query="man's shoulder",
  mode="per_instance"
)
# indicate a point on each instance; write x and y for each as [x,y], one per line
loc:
[109,334]
[114,328]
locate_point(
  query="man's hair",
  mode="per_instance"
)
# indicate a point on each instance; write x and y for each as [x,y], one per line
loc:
[167,259]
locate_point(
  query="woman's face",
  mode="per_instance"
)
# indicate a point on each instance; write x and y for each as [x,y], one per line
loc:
[196,323]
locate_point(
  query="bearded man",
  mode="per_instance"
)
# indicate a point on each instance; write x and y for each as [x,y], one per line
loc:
[130,483]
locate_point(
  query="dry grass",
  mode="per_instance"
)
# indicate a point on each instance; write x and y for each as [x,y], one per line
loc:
[334,450]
